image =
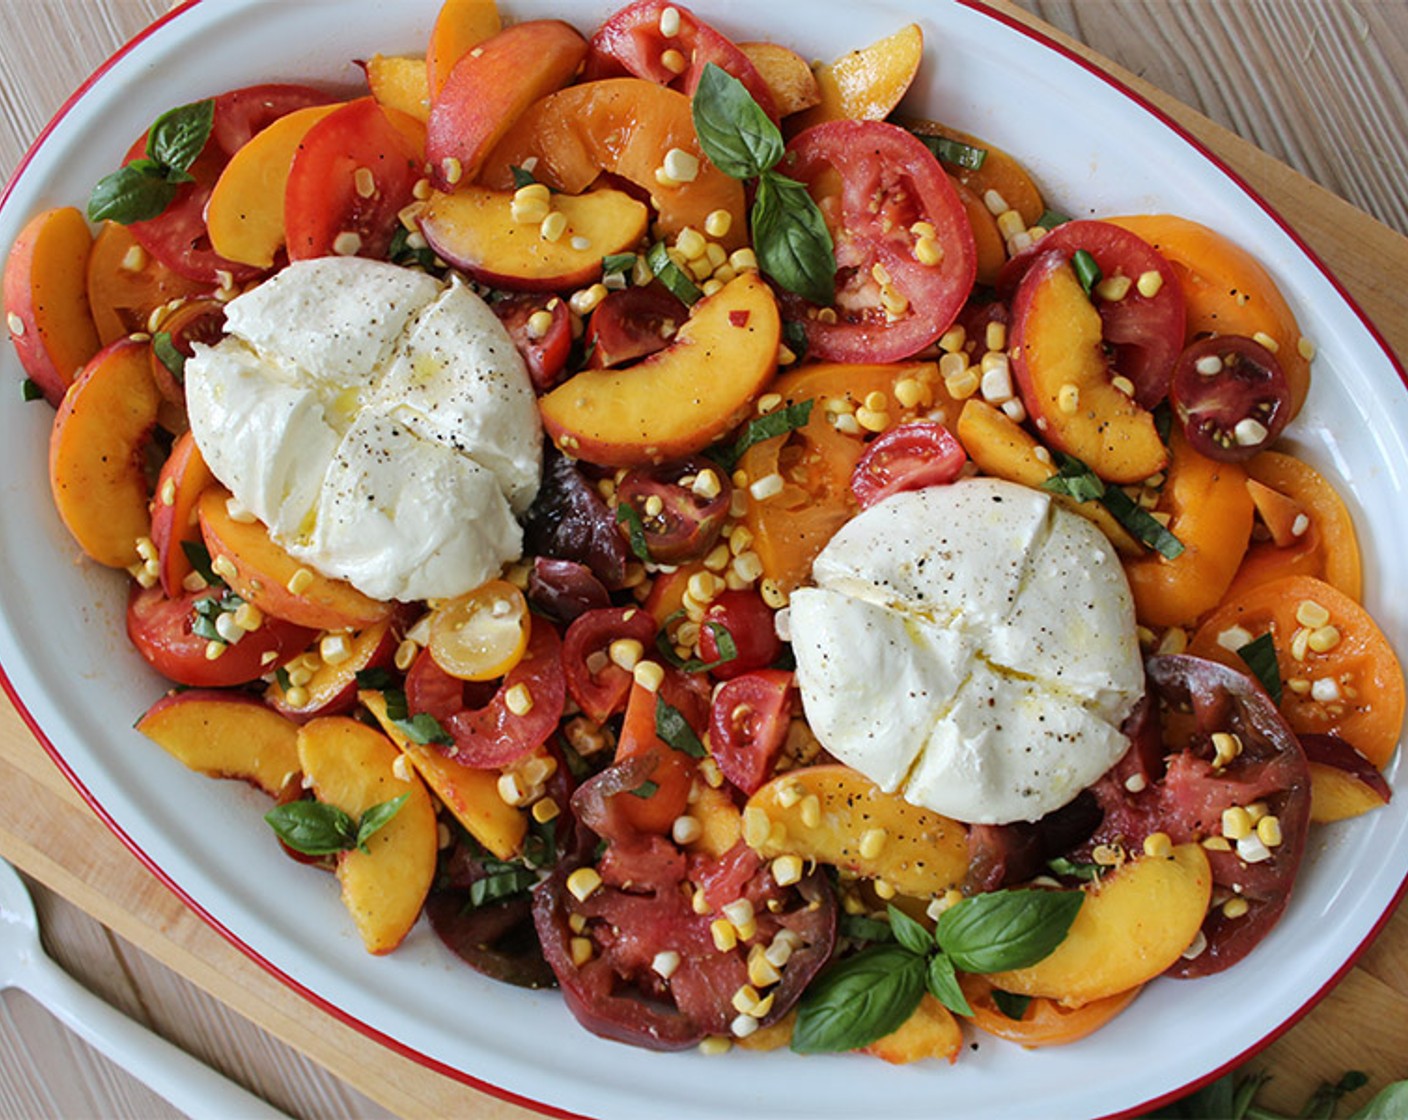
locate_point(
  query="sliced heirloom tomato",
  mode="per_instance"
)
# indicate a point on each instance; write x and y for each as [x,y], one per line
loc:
[890,304]
[748,724]
[1231,397]
[177,236]
[1340,677]
[751,628]
[198,320]
[327,206]
[907,457]
[126,283]
[680,516]
[543,344]
[632,324]
[1043,1022]
[161,630]
[601,690]
[668,771]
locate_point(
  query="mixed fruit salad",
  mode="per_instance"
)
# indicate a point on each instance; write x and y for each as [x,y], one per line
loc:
[708,542]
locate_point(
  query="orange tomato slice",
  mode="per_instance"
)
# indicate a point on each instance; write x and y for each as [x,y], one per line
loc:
[1045,1022]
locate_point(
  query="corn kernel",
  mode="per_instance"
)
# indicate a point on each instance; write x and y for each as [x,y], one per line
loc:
[681,166]
[1268,831]
[581,948]
[553,226]
[1235,907]
[583,883]
[1149,283]
[519,700]
[1114,288]
[665,962]
[545,809]
[649,675]
[674,61]
[810,811]
[715,1045]
[963,385]
[1236,823]
[686,830]
[762,972]
[1068,398]
[1158,845]
[718,223]
[626,652]
[872,843]
[299,582]
[756,826]
[910,392]
[787,870]
[724,935]
[1323,639]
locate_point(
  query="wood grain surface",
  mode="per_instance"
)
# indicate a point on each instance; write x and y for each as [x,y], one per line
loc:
[1314,90]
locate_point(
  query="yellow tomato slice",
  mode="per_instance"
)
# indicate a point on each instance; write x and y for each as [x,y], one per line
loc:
[482,634]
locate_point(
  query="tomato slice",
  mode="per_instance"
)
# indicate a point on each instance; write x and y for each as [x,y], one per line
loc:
[544,349]
[907,457]
[1043,1022]
[681,520]
[889,303]
[631,324]
[569,520]
[177,236]
[750,625]
[669,771]
[748,725]
[327,205]
[633,43]
[161,630]
[564,589]
[1230,396]
[199,320]
[602,693]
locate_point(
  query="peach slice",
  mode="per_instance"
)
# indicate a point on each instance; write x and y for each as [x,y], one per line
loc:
[126,284]
[262,573]
[1133,925]
[786,74]
[226,735]
[680,399]
[1343,783]
[490,87]
[921,853]
[183,479]
[245,213]
[623,126]
[96,453]
[471,795]
[475,230]
[459,26]
[332,689]
[1062,373]
[401,84]
[867,84]
[930,1032]
[46,299]
[353,767]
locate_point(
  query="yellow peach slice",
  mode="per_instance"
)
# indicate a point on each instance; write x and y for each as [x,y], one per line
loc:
[930,1032]
[401,84]
[786,74]
[866,84]
[226,735]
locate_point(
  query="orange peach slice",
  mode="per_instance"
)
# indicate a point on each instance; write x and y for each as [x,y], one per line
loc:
[401,84]
[786,74]
[226,735]
[930,1032]
[96,453]
[471,795]
[46,299]
[867,84]
[475,230]
[460,26]
[263,573]
[353,767]
[680,399]
[183,479]
[245,214]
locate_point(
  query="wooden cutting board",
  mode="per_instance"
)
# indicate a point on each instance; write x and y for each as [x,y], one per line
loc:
[47,830]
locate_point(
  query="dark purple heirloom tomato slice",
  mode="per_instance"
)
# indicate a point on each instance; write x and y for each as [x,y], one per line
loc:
[632,324]
[569,520]
[1231,397]
[681,518]
[564,589]
[907,457]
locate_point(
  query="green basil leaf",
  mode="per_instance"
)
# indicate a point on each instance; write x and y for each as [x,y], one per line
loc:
[791,241]
[675,731]
[199,557]
[503,881]
[794,334]
[130,194]
[776,423]
[627,514]
[1087,271]
[1259,655]
[1050,219]
[403,253]
[169,356]
[425,728]
[1011,1004]
[1006,929]
[737,136]
[1163,420]
[312,827]
[178,136]
[1389,1102]
[675,279]
[378,679]
[1073,869]
[624,263]
[282,679]
[859,999]
[522,177]
[857,927]
[967,156]
[1074,479]
[1141,525]
[377,817]
[943,985]
[540,845]
[910,933]
[646,789]
[30,390]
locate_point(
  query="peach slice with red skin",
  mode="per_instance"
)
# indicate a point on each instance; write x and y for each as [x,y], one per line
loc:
[490,87]
[1343,783]
[1063,376]
[680,399]
[183,479]
[46,299]
[267,576]
[333,687]
[96,453]
[226,734]
[474,229]
[354,768]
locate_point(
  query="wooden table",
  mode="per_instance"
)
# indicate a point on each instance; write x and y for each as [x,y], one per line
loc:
[1315,83]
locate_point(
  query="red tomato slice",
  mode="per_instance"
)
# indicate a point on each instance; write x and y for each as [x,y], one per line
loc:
[890,182]
[160,628]
[1231,397]
[632,43]
[325,198]
[748,725]
[494,735]
[1144,334]
[907,457]
[544,352]
[177,236]
[200,320]
[749,623]
[602,694]
[685,524]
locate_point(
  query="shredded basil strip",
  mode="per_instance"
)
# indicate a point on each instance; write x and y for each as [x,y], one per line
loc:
[968,156]
[1050,219]
[645,790]
[377,678]
[626,514]
[1259,656]
[618,262]
[522,177]
[504,880]
[857,927]
[1074,479]
[723,641]
[676,281]
[776,423]
[169,356]
[30,390]
[1087,271]
[1073,869]
[208,610]
[1011,1004]
[421,728]
[199,557]
[674,729]
[282,679]
[795,335]
[401,252]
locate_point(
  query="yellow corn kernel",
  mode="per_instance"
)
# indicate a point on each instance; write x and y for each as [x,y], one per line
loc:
[583,883]
[724,935]
[1158,845]
[1268,831]
[1236,823]
[1068,398]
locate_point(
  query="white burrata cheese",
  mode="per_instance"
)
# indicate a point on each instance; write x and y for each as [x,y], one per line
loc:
[380,423]
[972,647]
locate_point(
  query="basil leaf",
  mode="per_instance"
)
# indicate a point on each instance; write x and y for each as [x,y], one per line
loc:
[645,790]
[522,177]
[1010,1003]
[1050,219]
[425,728]
[377,679]
[1163,420]
[968,156]
[737,136]
[168,355]
[1390,1101]
[312,827]
[199,557]
[130,194]
[723,640]
[503,881]
[1259,655]
[675,731]
[791,240]
[1074,870]
[1141,525]
[403,253]
[377,817]
[626,514]
[282,679]
[30,390]
[675,279]
[910,933]
[1087,271]
[943,985]
[776,423]
[794,334]
[624,263]
[1074,479]
[859,999]
[1006,929]
[857,927]
[178,136]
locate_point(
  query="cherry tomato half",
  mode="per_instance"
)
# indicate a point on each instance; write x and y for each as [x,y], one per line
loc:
[907,457]
[681,517]
[199,320]
[544,350]
[1230,396]
[631,324]
[890,182]
[748,621]
[748,725]
[602,693]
